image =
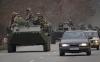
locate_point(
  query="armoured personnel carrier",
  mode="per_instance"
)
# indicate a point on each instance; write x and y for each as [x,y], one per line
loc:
[27,34]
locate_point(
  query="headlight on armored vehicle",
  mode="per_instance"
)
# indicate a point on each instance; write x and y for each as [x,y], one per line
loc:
[83,44]
[65,45]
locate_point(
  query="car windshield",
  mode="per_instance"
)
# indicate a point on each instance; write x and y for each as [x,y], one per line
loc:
[73,35]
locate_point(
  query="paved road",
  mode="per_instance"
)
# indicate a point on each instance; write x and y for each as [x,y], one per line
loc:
[35,54]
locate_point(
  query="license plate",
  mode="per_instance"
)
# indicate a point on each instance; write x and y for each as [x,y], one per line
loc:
[74,48]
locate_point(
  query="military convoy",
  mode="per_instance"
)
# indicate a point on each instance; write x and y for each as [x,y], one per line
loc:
[36,31]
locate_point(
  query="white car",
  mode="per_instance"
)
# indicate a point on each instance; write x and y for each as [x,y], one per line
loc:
[94,38]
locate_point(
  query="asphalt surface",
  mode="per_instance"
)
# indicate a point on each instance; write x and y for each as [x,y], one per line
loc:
[35,54]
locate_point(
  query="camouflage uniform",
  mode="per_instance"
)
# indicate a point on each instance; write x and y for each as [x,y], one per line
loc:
[44,24]
[14,14]
[29,15]
[18,20]
[42,21]
[39,20]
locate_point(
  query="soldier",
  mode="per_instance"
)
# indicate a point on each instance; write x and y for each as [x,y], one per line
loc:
[42,21]
[39,20]
[18,20]
[14,14]
[70,22]
[29,15]
[36,20]
[66,27]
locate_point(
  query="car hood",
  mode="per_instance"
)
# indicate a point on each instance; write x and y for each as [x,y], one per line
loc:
[74,41]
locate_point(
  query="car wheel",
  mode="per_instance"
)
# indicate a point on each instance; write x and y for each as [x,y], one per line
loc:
[98,48]
[62,53]
[88,53]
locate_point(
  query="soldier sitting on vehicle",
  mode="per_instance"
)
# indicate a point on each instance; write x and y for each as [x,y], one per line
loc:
[43,22]
[36,20]
[39,20]
[14,14]
[29,15]
[18,20]
[45,26]
[12,23]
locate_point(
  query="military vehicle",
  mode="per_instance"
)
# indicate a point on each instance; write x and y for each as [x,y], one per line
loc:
[55,36]
[26,34]
[62,27]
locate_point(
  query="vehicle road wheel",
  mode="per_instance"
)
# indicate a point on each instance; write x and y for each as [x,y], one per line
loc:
[46,47]
[88,53]
[62,53]
[98,48]
[11,48]
[53,41]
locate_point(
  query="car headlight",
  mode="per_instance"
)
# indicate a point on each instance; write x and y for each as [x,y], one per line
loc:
[83,44]
[96,41]
[65,45]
